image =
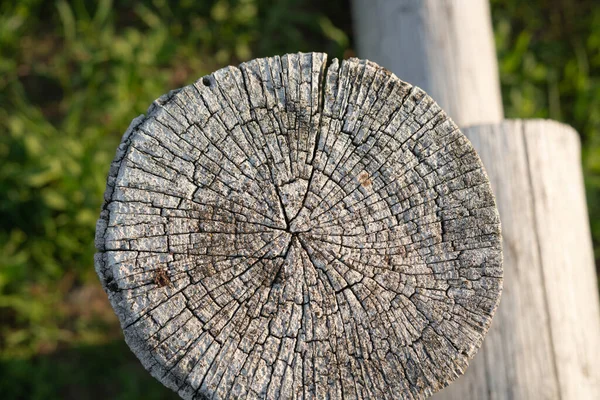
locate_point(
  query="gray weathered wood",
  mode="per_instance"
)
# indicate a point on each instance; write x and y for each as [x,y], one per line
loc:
[445,47]
[545,340]
[544,343]
[287,230]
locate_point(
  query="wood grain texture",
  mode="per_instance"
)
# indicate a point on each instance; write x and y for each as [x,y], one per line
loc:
[446,47]
[545,340]
[287,230]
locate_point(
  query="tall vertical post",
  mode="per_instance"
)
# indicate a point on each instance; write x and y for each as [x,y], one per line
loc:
[545,339]
[445,47]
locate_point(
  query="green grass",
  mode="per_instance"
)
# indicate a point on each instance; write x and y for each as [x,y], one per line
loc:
[108,371]
[74,74]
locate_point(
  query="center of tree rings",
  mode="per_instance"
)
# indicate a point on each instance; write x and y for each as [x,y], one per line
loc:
[286,230]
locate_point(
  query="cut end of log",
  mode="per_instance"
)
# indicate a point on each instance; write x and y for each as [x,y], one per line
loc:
[283,230]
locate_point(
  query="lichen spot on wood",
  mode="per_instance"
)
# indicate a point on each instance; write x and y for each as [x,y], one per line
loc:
[161,278]
[364,179]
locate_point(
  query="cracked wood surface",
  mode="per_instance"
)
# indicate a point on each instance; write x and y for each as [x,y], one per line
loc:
[286,230]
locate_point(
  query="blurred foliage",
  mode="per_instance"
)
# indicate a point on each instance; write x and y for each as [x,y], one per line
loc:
[73,74]
[108,371]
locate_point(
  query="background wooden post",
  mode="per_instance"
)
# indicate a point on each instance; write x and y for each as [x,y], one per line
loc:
[545,340]
[445,47]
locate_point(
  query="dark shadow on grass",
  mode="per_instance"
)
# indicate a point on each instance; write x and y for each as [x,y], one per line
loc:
[108,371]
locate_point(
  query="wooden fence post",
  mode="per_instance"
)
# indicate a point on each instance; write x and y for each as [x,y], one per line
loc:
[445,47]
[545,340]
[283,230]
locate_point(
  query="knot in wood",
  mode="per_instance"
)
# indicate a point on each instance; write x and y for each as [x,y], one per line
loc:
[286,230]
